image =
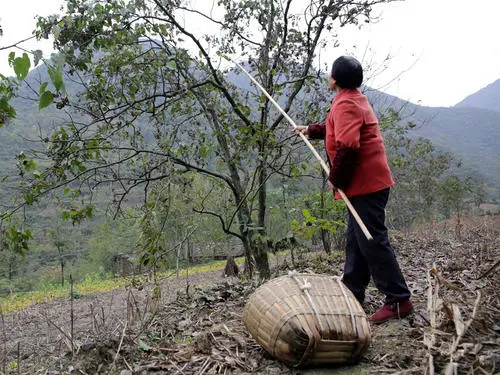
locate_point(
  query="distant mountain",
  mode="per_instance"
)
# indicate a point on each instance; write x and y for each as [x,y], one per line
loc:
[486,98]
[470,133]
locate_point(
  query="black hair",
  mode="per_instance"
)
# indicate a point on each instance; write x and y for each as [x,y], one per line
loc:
[347,72]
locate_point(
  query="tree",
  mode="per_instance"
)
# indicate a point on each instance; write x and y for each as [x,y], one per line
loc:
[455,194]
[156,100]
[426,183]
[167,223]
[60,239]
[13,244]
[110,240]
[417,168]
[322,215]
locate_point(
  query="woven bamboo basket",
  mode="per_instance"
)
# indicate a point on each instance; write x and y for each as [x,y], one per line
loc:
[305,319]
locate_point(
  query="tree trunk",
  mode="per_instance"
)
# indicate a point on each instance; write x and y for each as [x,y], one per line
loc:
[231,269]
[261,260]
[62,272]
[246,238]
[189,251]
[260,244]
[177,256]
[325,239]
[11,269]
[261,248]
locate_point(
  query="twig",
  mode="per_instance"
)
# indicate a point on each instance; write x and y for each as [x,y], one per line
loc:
[432,297]
[18,358]
[16,44]
[493,268]
[461,329]
[4,346]
[204,366]
[119,346]
[132,308]
[65,335]
[128,365]
[484,371]
[72,316]
[179,370]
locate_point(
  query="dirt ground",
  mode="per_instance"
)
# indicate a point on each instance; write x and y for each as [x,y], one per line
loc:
[194,325]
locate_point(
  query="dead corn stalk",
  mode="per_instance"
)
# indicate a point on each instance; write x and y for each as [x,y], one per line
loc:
[461,328]
[435,305]
[4,345]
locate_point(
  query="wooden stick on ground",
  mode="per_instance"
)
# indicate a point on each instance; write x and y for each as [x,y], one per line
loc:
[311,147]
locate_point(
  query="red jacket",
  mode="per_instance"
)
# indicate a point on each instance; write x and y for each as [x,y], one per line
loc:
[354,145]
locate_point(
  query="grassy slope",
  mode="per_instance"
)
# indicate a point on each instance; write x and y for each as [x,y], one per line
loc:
[18,301]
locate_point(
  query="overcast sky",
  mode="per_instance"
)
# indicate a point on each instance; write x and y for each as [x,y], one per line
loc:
[442,50]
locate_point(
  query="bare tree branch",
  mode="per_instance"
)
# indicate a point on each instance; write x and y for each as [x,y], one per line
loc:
[16,45]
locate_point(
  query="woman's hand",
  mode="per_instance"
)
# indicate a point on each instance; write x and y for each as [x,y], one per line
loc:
[300,129]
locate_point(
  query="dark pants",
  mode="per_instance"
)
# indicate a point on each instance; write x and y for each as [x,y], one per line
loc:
[373,258]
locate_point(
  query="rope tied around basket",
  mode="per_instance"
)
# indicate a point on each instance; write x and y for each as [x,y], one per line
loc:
[353,321]
[304,287]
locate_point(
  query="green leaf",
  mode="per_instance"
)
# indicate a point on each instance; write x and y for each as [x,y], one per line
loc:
[172,65]
[56,77]
[46,99]
[56,73]
[67,191]
[307,215]
[29,199]
[12,56]
[89,212]
[37,56]
[22,66]
[43,86]
[143,346]
[29,164]
[6,110]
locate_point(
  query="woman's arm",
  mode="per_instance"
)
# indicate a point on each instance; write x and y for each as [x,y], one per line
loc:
[348,120]
[313,131]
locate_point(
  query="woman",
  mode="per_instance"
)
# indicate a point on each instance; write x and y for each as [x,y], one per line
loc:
[359,167]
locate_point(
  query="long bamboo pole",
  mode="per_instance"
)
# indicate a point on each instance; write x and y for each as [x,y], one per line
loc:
[311,147]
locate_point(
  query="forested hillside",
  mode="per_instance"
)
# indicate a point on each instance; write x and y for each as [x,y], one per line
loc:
[469,133]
